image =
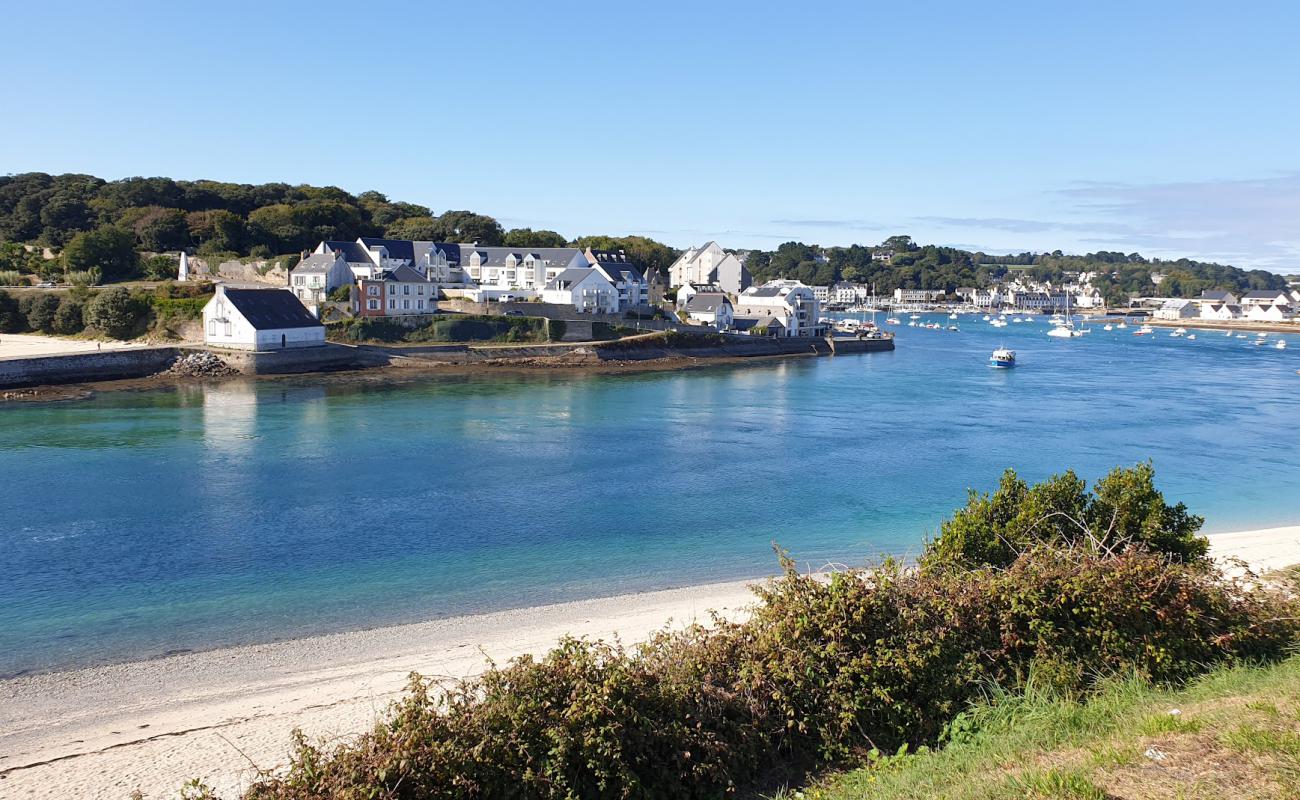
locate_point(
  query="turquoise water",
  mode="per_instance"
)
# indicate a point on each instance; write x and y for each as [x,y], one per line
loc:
[136,524]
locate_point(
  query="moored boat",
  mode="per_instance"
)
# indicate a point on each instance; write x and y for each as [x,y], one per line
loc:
[1002,358]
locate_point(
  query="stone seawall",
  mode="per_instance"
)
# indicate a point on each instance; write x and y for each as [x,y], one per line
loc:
[79,367]
[302,359]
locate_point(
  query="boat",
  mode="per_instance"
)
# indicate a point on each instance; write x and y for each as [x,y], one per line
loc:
[1241,336]
[915,316]
[1259,342]
[987,318]
[953,315]
[1261,334]
[1180,331]
[1191,336]
[1122,325]
[1281,344]
[953,328]
[1228,334]
[893,321]
[1175,335]
[1064,327]
[1108,327]
[1003,358]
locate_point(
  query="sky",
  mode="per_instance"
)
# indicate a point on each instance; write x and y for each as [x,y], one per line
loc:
[1167,128]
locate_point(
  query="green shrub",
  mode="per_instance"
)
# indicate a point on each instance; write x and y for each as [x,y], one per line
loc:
[40,312]
[160,268]
[69,318]
[450,328]
[11,277]
[823,672]
[555,329]
[87,277]
[11,318]
[180,308]
[341,294]
[1124,508]
[116,313]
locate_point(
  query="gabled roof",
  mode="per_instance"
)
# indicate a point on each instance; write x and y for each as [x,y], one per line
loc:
[315,263]
[707,302]
[271,309]
[1263,294]
[1214,294]
[352,252]
[496,256]
[397,248]
[569,277]
[403,274]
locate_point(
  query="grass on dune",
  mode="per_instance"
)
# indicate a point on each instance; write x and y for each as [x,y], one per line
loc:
[1232,733]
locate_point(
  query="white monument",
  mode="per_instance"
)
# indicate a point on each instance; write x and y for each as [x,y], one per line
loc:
[183,274]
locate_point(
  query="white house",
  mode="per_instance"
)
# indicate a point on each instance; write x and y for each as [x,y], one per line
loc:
[1177,309]
[367,257]
[790,303]
[317,275]
[259,319]
[519,269]
[710,308]
[686,291]
[587,290]
[1277,312]
[710,264]
[622,272]
[1218,297]
[1266,297]
[846,293]
[1220,311]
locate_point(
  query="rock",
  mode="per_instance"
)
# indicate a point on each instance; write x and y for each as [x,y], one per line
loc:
[199,365]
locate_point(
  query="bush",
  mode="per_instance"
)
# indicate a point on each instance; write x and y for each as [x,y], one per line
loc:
[1124,508]
[11,277]
[822,673]
[40,312]
[453,328]
[115,313]
[69,318]
[161,268]
[11,319]
[342,294]
[89,277]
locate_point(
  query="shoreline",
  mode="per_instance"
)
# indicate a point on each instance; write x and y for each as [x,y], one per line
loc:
[151,725]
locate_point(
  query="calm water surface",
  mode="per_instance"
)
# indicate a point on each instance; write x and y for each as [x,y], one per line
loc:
[141,523]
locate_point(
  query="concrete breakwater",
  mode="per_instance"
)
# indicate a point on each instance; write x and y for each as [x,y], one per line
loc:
[16,373]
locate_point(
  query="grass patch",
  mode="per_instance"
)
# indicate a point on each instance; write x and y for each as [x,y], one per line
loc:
[1237,734]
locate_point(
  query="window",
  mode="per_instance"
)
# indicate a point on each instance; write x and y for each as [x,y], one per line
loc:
[419,290]
[406,289]
[392,304]
[212,327]
[406,304]
[373,305]
[228,328]
[373,291]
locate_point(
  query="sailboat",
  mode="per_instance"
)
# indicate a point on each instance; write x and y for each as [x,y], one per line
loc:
[1065,329]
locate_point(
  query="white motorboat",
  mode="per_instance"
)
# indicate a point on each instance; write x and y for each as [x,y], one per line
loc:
[1122,326]
[1191,336]
[1002,358]
[1108,327]
[1281,344]
[893,321]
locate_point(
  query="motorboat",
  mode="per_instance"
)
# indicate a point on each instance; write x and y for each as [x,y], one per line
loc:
[1281,344]
[1191,336]
[987,317]
[893,321]
[1108,327]
[1003,358]
[1122,326]
[953,315]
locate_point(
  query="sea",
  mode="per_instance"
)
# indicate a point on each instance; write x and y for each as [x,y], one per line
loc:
[142,523]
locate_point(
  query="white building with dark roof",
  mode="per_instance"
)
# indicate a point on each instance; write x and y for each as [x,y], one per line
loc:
[586,289]
[710,264]
[259,319]
[317,275]
[790,303]
[709,308]
[623,273]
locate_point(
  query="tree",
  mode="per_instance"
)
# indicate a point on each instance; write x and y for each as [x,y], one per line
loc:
[466,226]
[11,319]
[108,248]
[160,229]
[114,312]
[648,254]
[40,314]
[161,268]
[62,217]
[527,237]
[70,316]
[217,231]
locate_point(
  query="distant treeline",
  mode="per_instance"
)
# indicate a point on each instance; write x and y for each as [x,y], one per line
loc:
[914,266]
[102,227]
[117,219]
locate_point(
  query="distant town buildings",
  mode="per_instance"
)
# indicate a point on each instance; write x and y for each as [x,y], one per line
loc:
[710,308]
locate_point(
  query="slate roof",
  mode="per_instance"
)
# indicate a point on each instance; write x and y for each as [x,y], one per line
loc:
[707,302]
[1263,294]
[1214,294]
[397,248]
[315,263]
[568,278]
[496,256]
[271,309]
[404,274]
[616,266]
[352,252]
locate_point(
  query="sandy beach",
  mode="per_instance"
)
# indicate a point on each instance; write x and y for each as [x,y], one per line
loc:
[222,715]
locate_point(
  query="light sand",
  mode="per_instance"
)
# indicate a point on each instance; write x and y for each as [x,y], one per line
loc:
[106,731]
[25,345]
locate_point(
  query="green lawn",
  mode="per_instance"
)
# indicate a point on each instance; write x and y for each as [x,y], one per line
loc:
[1232,735]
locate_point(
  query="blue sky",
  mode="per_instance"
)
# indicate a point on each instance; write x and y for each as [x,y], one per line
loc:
[1169,128]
